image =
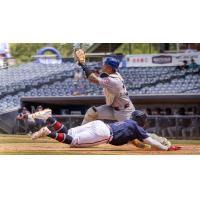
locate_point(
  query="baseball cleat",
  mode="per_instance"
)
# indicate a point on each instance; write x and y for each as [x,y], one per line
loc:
[41,133]
[44,114]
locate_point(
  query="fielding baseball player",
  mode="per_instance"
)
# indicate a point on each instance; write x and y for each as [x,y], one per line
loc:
[118,104]
[95,132]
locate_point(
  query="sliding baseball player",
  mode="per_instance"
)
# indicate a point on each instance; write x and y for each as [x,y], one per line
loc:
[96,132]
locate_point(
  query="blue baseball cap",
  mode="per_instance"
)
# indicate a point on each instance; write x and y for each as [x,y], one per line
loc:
[112,62]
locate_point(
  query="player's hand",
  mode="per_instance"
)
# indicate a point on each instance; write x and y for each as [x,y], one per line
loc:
[174,148]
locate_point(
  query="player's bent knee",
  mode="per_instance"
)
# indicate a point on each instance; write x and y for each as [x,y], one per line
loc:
[91,114]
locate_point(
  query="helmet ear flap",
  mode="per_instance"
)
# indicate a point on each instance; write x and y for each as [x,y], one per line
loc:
[140,117]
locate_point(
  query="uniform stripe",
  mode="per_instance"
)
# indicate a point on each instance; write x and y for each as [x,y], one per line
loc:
[57,126]
[60,137]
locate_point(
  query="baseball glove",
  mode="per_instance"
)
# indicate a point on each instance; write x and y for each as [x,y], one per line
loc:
[79,56]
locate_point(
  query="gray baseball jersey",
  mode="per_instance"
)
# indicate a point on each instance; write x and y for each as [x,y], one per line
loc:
[118,104]
[115,91]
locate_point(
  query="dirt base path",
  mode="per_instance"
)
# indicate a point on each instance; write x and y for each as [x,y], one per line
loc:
[23,145]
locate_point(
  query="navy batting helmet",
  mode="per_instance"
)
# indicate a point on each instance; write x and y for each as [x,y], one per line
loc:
[140,117]
[112,62]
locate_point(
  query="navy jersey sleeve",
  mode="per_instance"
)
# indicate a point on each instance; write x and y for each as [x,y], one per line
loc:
[141,133]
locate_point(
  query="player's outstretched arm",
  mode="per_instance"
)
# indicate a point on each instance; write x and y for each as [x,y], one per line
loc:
[144,146]
[155,144]
[160,146]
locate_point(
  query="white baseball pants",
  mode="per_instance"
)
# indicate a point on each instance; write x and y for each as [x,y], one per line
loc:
[90,134]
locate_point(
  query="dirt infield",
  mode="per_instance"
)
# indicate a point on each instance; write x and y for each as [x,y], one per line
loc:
[23,145]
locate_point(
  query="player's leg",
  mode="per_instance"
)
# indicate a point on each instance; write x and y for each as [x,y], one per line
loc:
[90,115]
[90,134]
[100,112]
[121,115]
[56,130]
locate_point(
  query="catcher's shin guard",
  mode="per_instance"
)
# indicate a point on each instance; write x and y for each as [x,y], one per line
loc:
[90,115]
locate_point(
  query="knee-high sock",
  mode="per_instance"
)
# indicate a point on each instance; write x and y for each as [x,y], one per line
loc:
[61,137]
[60,132]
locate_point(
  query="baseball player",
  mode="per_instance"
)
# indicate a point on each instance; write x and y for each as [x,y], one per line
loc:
[118,104]
[95,132]
[141,119]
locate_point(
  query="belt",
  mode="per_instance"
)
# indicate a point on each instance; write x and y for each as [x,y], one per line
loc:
[118,109]
[111,133]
